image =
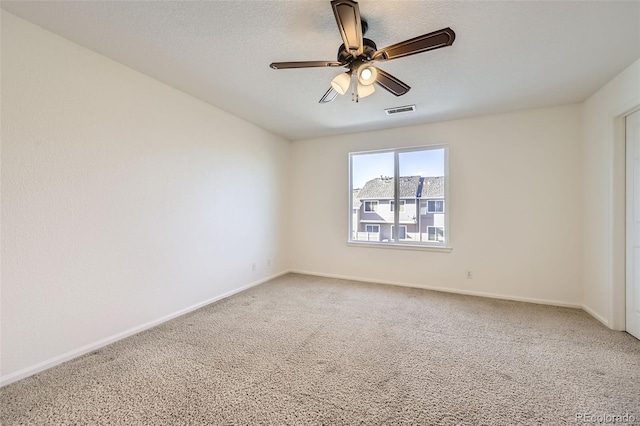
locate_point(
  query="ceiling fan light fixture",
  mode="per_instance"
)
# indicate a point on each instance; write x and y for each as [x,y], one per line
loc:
[341,83]
[357,54]
[365,90]
[367,75]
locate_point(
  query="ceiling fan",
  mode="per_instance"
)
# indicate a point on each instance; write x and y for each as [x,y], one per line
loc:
[357,54]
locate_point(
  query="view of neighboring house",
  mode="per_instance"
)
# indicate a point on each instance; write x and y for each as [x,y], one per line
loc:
[421,210]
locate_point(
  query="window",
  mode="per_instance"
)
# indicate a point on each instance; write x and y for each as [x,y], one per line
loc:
[403,232]
[435,233]
[435,206]
[372,228]
[415,181]
[370,206]
[402,204]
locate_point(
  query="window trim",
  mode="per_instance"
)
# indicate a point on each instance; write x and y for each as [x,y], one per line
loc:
[372,224]
[364,204]
[436,227]
[402,205]
[447,246]
[400,226]
[435,200]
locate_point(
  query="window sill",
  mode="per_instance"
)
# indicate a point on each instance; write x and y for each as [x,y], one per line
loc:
[400,246]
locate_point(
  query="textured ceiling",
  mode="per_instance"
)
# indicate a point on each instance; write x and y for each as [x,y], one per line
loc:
[507,55]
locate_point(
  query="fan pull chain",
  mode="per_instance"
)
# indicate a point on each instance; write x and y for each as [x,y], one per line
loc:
[354,88]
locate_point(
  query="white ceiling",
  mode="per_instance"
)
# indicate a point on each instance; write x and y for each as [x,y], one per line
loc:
[507,55]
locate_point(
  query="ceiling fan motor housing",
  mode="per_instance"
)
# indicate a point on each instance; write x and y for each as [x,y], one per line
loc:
[368,47]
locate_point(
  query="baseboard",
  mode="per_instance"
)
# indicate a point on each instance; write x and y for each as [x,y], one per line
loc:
[44,365]
[593,313]
[445,289]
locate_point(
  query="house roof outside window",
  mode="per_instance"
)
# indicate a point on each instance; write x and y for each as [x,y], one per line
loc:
[410,187]
[355,200]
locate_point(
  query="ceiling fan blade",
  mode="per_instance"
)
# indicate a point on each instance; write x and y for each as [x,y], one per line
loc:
[329,96]
[304,64]
[423,43]
[347,13]
[390,83]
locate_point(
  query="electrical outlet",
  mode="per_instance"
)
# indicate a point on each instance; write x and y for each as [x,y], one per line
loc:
[468,275]
[253,267]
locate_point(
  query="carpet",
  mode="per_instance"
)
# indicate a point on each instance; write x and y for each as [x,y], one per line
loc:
[309,350]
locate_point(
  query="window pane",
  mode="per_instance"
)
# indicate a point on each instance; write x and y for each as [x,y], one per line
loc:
[435,206]
[435,233]
[392,205]
[424,163]
[403,232]
[422,177]
[420,208]
[371,180]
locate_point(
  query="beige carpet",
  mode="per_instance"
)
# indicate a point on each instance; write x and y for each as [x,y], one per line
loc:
[309,350]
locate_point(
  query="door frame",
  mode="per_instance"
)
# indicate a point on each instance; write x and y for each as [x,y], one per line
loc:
[617,213]
[618,224]
[629,212]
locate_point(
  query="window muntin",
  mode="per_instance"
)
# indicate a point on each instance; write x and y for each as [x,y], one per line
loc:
[372,228]
[435,233]
[415,179]
[370,206]
[435,206]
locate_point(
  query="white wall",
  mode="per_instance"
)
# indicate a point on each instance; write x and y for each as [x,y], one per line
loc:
[515,206]
[123,200]
[604,195]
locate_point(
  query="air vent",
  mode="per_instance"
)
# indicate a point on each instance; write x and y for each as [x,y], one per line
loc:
[400,110]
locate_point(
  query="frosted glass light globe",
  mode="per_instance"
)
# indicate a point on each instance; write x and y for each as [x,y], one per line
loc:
[341,83]
[367,75]
[364,91]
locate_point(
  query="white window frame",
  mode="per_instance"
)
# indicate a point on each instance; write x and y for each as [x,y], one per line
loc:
[436,227]
[402,205]
[372,232]
[445,246]
[435,201]
[400,226]
[364,203]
